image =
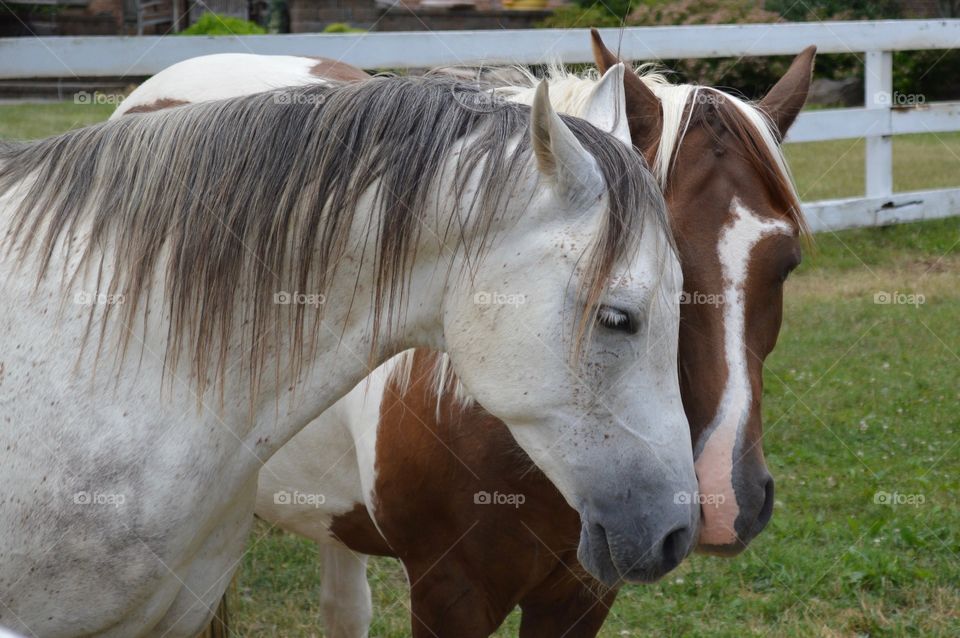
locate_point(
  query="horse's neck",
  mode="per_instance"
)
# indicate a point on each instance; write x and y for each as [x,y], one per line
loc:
[340,356]
[442,265]
[343,354]
[340,359]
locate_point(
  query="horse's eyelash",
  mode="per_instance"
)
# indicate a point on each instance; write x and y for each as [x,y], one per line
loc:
[612,317]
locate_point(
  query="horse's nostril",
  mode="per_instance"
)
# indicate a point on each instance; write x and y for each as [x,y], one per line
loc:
[767,510]
[675,546]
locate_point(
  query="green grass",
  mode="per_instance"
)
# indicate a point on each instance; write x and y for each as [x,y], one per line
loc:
[859,398]
[826,170]
[29,121]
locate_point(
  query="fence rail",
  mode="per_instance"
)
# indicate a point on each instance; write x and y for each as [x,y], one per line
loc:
[880,118]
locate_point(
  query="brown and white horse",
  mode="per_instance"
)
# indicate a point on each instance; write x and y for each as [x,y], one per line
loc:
[738,225]
[209,77]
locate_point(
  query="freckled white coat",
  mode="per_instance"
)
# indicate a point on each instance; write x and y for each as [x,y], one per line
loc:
[172,485]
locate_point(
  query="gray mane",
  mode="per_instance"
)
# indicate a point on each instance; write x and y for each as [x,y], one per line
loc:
[237,199]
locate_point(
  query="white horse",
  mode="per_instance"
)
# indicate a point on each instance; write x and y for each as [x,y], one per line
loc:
[258,255]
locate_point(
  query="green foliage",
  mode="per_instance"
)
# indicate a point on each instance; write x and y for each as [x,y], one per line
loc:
[341,27]
[213,24]
[278,16]
[934,74]
[752,76]
[749,75]
[574,17]
[15,9]
[815,10]
[845,65]
[663,12]
[616,8]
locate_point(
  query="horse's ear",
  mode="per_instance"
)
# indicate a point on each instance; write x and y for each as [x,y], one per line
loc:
[644,115]
[560,155]
[603,56]
[606,108]
[786,98]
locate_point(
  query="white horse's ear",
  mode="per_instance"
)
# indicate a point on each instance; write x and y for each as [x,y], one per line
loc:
[560,155]
[607,105]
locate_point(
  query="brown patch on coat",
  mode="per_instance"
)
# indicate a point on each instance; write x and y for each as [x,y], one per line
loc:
[471,563]
[156,105]
[356,530]
[336,70]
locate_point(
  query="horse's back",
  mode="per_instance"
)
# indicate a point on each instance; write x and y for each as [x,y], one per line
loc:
[217,77]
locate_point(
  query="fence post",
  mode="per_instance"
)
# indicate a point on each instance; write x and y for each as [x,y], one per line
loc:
[878,94]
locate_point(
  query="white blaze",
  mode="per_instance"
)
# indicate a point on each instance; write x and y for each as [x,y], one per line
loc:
[714,464]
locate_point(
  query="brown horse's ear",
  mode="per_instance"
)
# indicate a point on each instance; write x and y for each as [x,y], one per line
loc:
[603,56]
[643,108]
[786,98]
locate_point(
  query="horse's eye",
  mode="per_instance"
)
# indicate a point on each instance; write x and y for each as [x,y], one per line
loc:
[615,319]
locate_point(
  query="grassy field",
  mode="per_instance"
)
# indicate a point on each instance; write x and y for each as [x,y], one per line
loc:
[860,398]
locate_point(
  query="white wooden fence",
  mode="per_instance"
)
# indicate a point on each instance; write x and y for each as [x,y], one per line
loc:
[884,114]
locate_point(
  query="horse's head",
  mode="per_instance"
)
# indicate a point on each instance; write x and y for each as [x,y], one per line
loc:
[587,261]
[737,224]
